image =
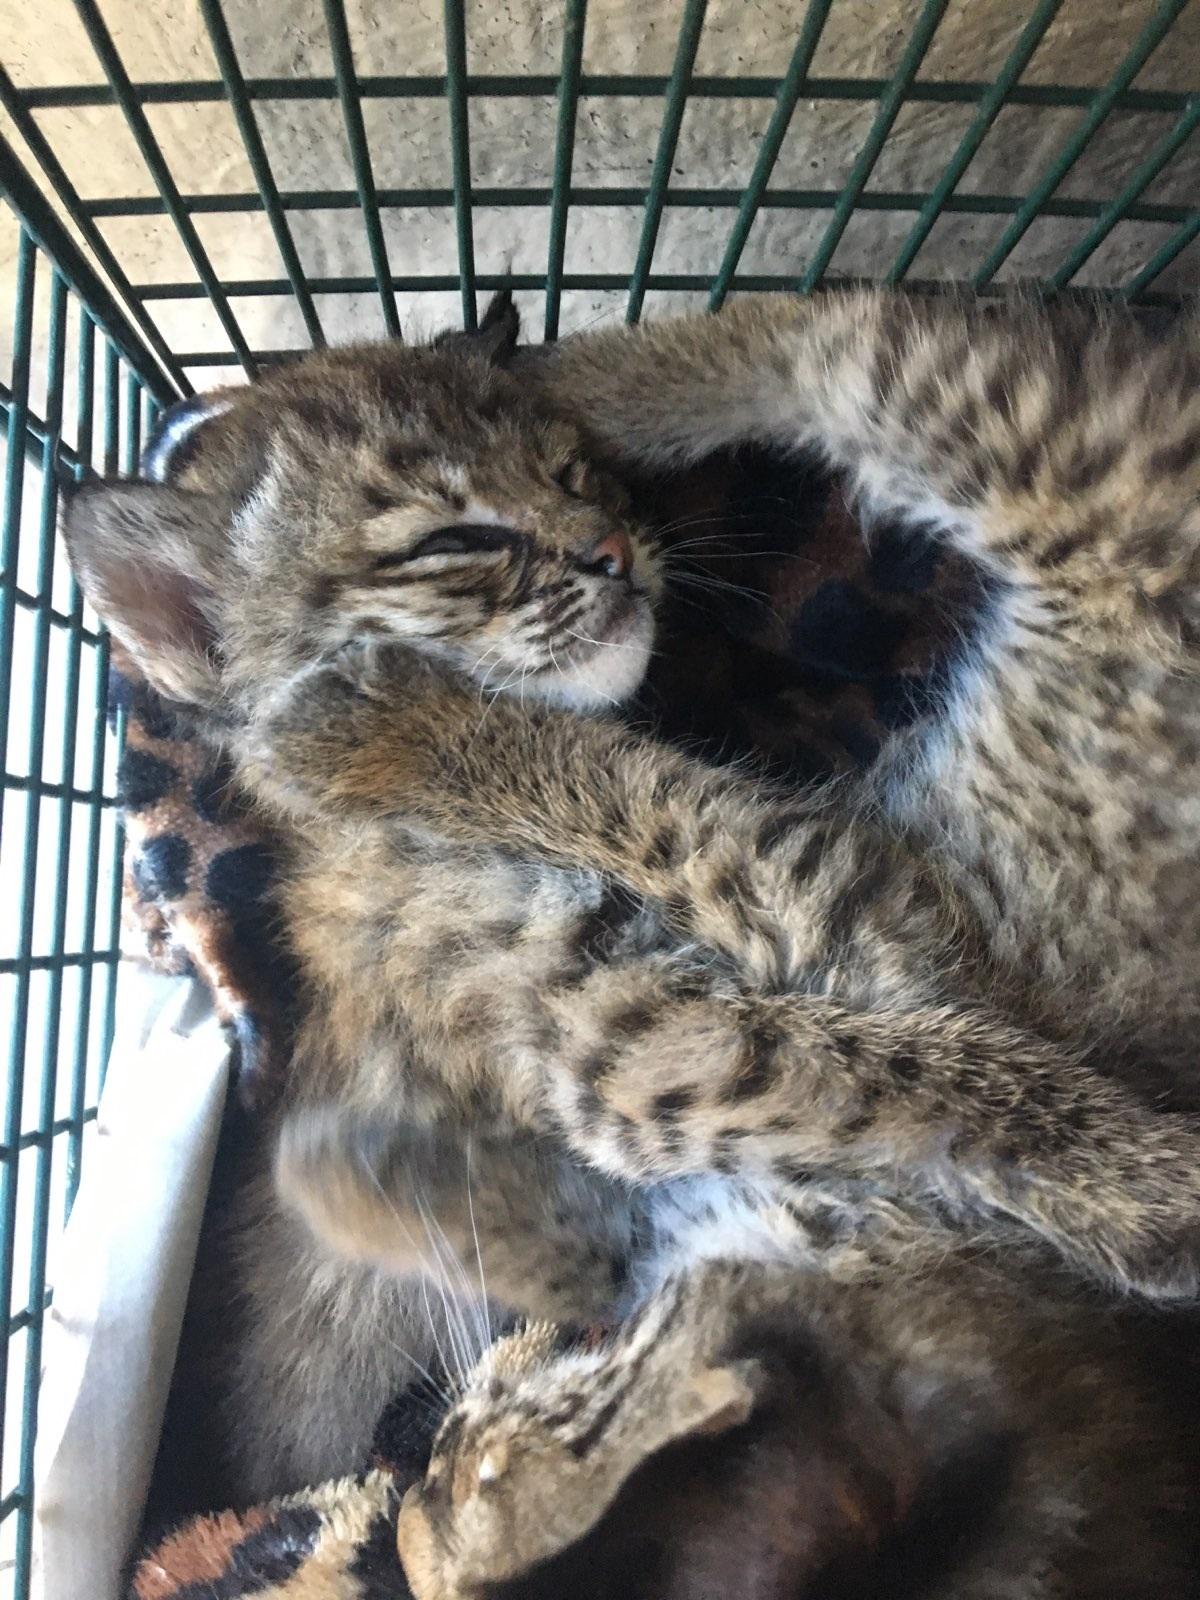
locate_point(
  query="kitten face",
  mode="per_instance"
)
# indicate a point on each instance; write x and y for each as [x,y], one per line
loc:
[512,559]
[927,1426]
[466,525]
[381,491]
[720,1443]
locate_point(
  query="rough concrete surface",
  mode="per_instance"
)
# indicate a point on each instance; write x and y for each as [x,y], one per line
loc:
[43,42]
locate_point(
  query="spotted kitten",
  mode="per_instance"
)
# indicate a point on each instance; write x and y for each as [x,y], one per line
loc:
[893,1418]
[514,919]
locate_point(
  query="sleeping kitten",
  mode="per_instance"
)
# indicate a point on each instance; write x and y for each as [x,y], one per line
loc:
[630,969]
[893,1417]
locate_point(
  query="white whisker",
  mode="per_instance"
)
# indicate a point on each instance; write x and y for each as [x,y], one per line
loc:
[604,644]
[437,1388]
[452,1329]
[468,1296]
[423,1275]
[474,1234]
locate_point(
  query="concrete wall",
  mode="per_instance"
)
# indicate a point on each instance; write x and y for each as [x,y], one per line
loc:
[41,41]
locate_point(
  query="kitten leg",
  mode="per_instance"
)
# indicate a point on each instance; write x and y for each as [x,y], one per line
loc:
[786,890]
[650,1072]
[651,1077]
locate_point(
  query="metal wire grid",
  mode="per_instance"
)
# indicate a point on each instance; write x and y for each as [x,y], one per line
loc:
[60,844]
[457,87]
[66,875]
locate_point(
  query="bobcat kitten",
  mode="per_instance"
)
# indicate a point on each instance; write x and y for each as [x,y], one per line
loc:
[641,974]
[894,1418]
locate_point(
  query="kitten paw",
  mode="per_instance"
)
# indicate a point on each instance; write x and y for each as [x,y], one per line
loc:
[1130,1218]
[367,728]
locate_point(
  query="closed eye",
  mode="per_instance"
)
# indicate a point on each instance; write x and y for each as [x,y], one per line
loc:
[462,539]
[573,478]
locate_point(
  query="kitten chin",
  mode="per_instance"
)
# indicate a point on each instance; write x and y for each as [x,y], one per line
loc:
[612,671]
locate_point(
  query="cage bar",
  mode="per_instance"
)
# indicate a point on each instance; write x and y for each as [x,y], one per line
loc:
[755,195]
[74,1123]
[1144,46]
[574,23]
[729,199]
[79,213]
[54,240]
[122,437]
[499,86]
[38,1297]
[349,95]
[676,102]
[132,429]
[1137,287]
[460,153]
[151,153]
[1122,206]
[1030,37]
[268,193]
[14,485]
[890,102]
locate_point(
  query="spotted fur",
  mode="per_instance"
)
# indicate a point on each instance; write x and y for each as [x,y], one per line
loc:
[814,1011]
[885,1419]
[925,982]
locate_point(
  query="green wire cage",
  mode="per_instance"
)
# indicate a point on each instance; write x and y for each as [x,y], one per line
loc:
[1106,186]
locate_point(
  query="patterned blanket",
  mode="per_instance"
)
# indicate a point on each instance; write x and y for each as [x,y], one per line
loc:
[787,638]
[333,1542]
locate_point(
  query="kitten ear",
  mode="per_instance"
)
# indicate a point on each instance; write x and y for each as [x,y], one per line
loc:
[148,560]
[495,339]
[175,437]
[500,329]
[713,1401]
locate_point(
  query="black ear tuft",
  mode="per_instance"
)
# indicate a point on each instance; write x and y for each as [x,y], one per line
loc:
[502,321]
[495,339]
[68,488]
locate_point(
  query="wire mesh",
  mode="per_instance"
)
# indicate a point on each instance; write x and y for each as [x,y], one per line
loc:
[74,290]
[60,844]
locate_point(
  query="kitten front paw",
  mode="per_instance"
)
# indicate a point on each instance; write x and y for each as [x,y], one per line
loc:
[1126,1211]
[368,728]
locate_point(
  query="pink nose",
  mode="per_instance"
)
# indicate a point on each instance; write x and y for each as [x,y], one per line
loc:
[612,555]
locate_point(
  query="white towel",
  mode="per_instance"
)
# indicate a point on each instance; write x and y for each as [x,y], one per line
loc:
[121,1283]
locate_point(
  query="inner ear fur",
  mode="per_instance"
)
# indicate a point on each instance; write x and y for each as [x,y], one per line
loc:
[149,560]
